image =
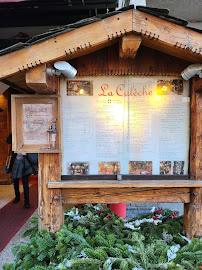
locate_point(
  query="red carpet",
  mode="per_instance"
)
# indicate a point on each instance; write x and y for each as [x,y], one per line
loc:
[13,216]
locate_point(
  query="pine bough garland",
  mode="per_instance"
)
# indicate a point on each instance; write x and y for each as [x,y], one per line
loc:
[94,238]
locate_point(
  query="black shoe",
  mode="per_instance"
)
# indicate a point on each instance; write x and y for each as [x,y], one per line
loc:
[27,205]
[16,200]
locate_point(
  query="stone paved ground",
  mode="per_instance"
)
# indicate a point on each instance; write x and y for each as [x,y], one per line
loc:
[6,255]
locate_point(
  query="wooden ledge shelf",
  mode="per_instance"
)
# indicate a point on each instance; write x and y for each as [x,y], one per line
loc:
[126,183]
[36,149]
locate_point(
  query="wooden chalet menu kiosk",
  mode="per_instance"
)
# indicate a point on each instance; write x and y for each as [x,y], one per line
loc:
[128,126]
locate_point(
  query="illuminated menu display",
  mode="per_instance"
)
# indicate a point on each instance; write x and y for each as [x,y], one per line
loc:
[125,125]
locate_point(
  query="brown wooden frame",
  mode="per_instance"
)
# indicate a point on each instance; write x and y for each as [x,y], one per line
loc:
[157,190]
[17,136]
[156,33]
[153,32]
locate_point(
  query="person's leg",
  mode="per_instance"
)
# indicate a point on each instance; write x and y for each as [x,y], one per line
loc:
[17,190]
[25,182]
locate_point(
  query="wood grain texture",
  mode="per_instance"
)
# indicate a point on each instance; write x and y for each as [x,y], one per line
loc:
[193,214]
[37,79]
[196,132]
[18,82]
[193,210]
[129,45]
[17,102]
[156,33]
[82,184]
[198,84]
[168,37]
[126,195]
[69,45]
[50,204]
[199,136]
[147,62]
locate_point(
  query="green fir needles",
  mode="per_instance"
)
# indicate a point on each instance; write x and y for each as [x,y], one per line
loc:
[94,238]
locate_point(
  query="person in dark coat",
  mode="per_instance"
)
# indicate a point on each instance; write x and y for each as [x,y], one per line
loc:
[22,165]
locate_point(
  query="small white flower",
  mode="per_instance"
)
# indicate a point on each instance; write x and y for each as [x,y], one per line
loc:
[153,209]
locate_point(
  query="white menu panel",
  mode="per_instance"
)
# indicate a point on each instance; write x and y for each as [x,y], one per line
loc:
[140,123]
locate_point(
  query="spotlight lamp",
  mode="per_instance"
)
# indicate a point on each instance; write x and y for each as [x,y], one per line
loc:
[192,70]
[62,67]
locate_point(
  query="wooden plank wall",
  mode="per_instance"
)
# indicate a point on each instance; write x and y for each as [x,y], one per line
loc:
[125,195]
[5,131]
[147,62]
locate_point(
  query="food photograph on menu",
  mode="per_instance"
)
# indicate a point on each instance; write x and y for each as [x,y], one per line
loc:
[78,168]
[170,87]
[165,167]
[178,167]
[140,167]
[109,168]
[79,88]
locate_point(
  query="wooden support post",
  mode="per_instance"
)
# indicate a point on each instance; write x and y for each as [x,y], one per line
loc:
[129,45]
[193,210]
[50,203]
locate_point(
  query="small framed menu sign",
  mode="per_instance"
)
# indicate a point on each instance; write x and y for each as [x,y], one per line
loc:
[35,124]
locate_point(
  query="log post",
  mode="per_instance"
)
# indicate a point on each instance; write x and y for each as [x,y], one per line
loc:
[193,210]
[50,209]
[50,203]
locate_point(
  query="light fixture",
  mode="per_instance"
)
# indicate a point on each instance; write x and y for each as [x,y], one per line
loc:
[81,91]
[62,67]
[191,70]
[164,88]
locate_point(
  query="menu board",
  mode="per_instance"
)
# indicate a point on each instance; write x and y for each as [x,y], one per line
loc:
[125,125]
[36,121]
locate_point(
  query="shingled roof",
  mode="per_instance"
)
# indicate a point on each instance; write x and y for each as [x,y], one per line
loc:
[158,31]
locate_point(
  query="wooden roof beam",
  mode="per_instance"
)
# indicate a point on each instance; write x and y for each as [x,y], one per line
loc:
[129,45]
[37,79]
[156,33]
[69,45]
[168,37]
